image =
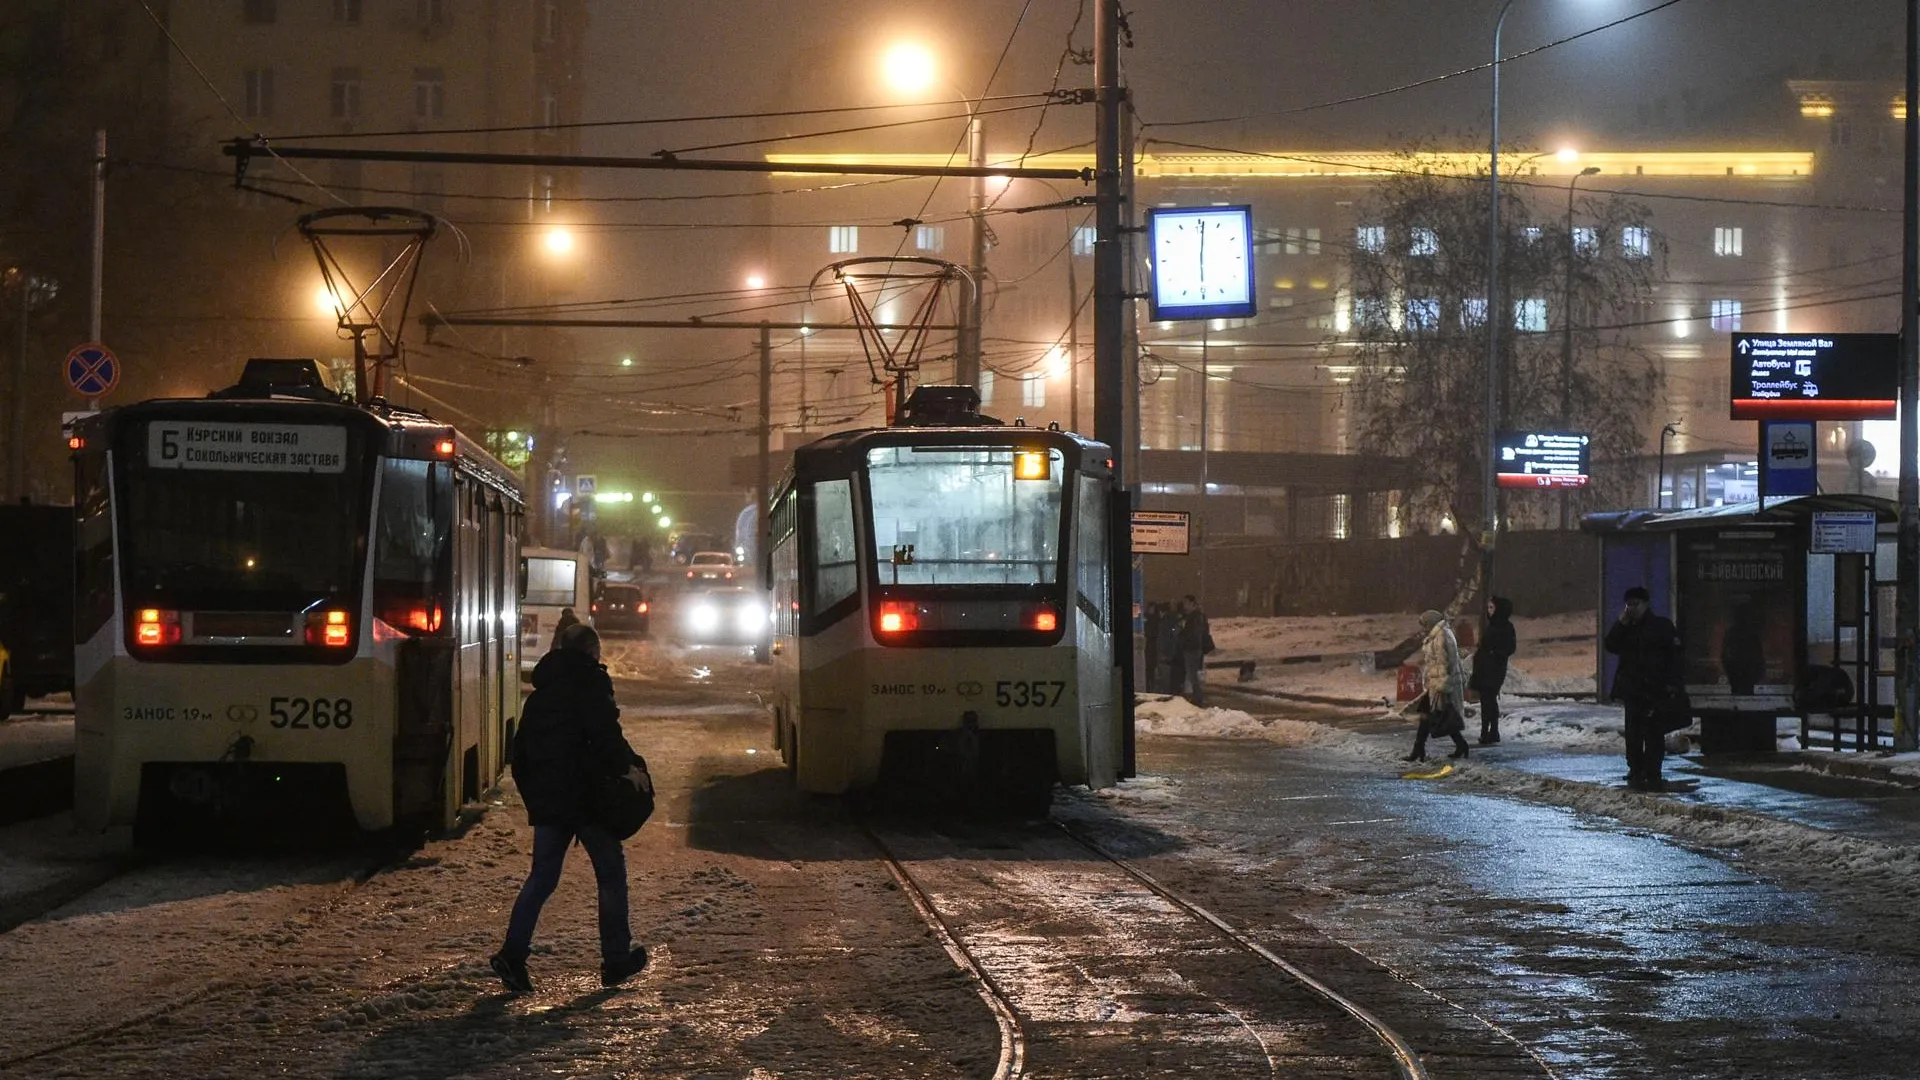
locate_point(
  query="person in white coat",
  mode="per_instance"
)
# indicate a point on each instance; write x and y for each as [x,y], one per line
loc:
[1446,680]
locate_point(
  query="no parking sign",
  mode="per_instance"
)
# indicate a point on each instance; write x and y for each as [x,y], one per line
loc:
[92,370]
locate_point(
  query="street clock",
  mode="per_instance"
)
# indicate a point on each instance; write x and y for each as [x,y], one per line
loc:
[1202,262]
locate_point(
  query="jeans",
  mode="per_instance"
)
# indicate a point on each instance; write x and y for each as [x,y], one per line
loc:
[550,844]
[1194,676]
[1646,743]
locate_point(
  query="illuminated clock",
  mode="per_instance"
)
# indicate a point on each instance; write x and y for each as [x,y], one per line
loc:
[1202,258]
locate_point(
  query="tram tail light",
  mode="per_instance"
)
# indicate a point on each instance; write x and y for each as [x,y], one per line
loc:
[640,608]
[157,626]
[330,628]
[445,447]
[1044,619]
[898,616]
[421,618]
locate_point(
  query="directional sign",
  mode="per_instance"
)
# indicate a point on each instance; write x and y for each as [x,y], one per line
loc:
[92,370]
[586,486]
[1542,459]
[1815,376]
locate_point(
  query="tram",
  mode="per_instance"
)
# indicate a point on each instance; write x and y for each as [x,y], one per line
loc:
[291,612]
[944,610]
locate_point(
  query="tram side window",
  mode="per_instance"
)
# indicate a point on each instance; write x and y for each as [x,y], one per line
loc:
[1090,555]
[410,565]
[836,568]
[93,536]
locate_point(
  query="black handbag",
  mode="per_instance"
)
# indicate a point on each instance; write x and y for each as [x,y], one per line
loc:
[620,805]
[1673,712]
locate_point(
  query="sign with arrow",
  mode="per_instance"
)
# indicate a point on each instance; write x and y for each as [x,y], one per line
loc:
[1815,376]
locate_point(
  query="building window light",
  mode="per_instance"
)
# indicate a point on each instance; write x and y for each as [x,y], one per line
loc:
[1726,315]
[1636,242]
[843,239]
[1728,241]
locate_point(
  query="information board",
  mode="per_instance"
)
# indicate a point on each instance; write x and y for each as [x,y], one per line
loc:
[1815,376]
[1838,532]
[200,444]
[1543,459]
[1160,532]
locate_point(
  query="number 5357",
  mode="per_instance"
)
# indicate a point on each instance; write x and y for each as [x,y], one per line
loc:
[1019,694]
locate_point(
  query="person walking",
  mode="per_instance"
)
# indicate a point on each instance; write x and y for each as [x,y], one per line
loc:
[1649,672]
[569,737]
[1497,643]
[1446,682]
[1194,635]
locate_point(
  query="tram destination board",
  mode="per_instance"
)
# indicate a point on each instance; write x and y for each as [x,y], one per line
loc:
[1543,459]
[1815,376]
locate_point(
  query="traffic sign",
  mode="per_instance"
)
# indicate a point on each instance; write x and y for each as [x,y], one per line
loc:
[92,370]
[585,486]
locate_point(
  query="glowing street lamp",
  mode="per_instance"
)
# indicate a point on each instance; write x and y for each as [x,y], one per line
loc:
[559,241]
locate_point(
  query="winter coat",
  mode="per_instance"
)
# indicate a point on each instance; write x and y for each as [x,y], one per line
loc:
[1440,666]
[1497,644]
[569,733]
[1193,631]
[1650,659]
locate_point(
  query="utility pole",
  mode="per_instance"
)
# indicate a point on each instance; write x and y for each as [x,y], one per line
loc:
[17,440]
[1907,561]
[764,477]
[99,235]
[1073,344]
[1110,306]
[966,361]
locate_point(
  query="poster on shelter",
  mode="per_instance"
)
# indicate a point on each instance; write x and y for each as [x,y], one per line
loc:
[1736,610]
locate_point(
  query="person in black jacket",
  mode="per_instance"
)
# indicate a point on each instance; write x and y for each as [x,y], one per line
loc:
[1497,643]
[1648,646]
[570,735]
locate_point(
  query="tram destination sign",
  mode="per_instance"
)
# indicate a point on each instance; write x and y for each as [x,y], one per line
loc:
[1815,376]
[230,447]
[1543,459]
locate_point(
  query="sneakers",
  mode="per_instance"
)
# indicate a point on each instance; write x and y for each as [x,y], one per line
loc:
[512,972]
[615,972]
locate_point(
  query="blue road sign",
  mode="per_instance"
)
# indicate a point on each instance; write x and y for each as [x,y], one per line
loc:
[92,370]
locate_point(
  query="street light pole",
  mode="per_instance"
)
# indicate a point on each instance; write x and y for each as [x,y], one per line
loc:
[1566,335]
[1906,604]
[966,364]
[1660,485]
[1490,493]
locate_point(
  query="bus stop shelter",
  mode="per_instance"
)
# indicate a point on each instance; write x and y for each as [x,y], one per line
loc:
[1784,609]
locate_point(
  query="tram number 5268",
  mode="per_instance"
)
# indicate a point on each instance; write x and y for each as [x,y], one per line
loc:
[1019,694]
[308,713]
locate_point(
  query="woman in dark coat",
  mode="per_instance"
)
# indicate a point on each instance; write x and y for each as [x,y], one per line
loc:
[569,737]
[1497,643]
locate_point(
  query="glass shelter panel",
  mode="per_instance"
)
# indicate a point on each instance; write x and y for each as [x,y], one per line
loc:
[966,514]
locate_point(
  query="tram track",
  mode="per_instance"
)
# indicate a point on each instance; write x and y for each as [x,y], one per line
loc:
[1024,965]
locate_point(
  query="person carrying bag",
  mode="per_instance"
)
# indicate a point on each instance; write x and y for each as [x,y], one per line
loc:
[1446,679]
[571,763]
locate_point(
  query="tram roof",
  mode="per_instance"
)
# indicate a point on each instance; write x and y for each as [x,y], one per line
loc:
[842,445]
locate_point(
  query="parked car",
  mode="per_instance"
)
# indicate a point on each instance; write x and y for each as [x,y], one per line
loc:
[708,566]
[622,609]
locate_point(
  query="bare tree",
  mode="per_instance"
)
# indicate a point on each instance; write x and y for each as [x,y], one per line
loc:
[1419,320]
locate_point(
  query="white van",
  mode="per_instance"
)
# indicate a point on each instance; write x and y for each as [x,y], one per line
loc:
[550,579]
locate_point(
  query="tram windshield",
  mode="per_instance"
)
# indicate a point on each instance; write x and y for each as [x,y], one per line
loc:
[242,528]
[966,515]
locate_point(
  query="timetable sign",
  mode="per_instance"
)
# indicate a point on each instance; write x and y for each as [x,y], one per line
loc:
[1815,376]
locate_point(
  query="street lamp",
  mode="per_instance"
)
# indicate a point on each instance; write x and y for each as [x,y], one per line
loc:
[910,70]
[1566,314]
[1660,485]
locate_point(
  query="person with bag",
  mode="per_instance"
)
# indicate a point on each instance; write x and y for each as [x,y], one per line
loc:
[1446,682]
[1497,644]
[1650,683]
[569,744]
[1195,636]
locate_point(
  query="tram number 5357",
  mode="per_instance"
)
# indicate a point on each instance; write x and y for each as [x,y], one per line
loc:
[309,713]
[1019,694]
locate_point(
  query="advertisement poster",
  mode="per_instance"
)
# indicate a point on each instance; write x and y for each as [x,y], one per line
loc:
[1737,610]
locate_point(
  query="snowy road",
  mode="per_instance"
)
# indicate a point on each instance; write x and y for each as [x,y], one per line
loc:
[1524,911]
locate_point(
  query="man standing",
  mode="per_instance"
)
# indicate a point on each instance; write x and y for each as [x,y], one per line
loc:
[569,736]
[1648,646]
[1194,636]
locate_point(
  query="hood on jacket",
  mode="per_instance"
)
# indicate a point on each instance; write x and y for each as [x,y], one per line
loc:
[560,665]
[1502,609]
[1430,619]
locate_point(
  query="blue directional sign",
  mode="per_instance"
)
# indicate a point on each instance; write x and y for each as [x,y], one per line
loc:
[92,370]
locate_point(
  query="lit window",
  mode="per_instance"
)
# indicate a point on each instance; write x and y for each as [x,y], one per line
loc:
[1340,516]
[1423,314]
[1369,312]
[1033,390]
[344,93]
[1295,239]
[1313,241]
[429,93]
[1585,240]
[1370,238]
[1728,241]
[549,107]
[1425,242]
[1530,314]
[1531,234]
[1636,242]
[1726,315]
[1084,239]
[259,92]
[1473,311]
[986,385]
[843,239]
[929,237]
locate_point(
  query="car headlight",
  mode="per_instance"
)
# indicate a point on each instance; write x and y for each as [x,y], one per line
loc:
[751,618]
[704,618]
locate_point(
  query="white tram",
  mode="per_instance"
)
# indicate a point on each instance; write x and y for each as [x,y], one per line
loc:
[944,607]
[291,611]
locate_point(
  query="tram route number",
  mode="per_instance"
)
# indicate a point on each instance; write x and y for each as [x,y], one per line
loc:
[309,713]
[1020,694]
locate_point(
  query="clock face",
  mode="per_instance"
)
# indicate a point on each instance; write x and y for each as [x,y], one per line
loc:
[1202,263]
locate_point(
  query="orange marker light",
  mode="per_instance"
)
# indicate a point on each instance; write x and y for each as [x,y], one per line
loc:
[445,447]
[157,627]
[75,442]
[1045,620]
[897,616]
